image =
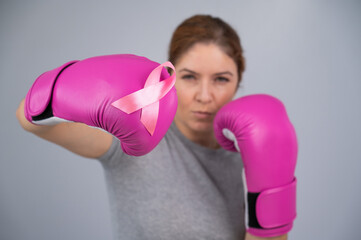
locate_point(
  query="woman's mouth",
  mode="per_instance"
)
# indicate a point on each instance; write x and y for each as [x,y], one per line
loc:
[202,115]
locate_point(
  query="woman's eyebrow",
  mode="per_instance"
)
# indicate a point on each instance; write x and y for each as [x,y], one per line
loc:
[187,70]
[193,72]
[226,72]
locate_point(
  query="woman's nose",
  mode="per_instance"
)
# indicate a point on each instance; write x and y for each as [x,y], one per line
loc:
[204,94]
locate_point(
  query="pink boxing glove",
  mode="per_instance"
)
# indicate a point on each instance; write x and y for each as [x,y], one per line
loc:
[258,127]
[131,97]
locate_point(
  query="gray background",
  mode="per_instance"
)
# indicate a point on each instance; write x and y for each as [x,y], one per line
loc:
[307,53]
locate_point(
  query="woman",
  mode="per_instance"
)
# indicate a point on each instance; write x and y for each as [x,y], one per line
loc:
[187,187]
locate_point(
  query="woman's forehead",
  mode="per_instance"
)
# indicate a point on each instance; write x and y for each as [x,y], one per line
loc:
[206,57]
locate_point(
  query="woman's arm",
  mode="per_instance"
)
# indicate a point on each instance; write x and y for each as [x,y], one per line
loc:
[252,237]
[76,137]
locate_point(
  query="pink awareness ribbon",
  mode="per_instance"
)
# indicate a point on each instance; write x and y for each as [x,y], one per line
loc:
[147,99]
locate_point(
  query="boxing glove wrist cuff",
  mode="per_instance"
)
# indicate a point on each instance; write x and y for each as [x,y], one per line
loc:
[272,232]
[273,209]
[38,100]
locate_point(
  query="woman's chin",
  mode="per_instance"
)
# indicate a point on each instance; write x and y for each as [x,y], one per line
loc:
[203,127]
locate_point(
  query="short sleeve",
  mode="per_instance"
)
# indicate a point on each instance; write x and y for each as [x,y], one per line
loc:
[114,153]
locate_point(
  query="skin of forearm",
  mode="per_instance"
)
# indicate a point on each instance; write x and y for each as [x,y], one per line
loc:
[252,237]
[28,126]
[76,137]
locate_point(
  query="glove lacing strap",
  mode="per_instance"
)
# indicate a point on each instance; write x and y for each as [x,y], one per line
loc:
[272,208]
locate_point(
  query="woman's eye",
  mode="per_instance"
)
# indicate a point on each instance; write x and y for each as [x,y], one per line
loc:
[190,77]
[222,79]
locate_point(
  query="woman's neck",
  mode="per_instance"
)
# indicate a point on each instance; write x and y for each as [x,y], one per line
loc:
[205,139]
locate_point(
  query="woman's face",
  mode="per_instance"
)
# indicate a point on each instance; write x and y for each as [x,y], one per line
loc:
[206,80]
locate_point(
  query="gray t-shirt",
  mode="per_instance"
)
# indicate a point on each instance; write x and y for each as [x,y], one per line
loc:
[180,190]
